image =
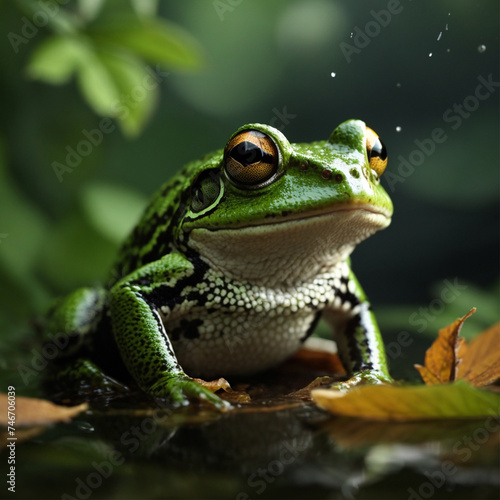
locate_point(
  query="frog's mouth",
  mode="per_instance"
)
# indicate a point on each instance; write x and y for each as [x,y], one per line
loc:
[290,215]
[385,215]
[290,247]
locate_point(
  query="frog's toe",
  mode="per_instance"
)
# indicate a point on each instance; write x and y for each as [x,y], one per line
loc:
[179,389]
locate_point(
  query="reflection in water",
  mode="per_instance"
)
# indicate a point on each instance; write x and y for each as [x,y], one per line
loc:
[301,448]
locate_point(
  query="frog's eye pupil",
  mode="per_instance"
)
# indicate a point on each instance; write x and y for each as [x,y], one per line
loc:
[251,159]
[379,150]
[247,153]
[376,152]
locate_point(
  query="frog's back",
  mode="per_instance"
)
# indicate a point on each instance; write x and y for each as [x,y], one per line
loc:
[153,236]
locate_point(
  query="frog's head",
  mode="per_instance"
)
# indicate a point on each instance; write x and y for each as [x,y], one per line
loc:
[265,207]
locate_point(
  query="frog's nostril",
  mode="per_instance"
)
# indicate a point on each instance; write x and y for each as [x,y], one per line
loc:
[328,174]
[354,172]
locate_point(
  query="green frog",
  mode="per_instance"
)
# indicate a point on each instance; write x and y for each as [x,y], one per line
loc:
[231,266]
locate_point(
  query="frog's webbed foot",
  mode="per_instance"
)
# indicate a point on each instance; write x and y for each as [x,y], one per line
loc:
[362,378]
[178,389]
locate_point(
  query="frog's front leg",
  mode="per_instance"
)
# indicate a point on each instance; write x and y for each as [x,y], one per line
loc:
[357,335]
[141,337]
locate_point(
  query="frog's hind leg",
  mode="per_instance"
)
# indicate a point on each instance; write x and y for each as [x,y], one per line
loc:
[357,335]
[71,320]
[77,331]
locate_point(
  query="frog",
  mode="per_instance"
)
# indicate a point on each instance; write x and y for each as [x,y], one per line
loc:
[231,266]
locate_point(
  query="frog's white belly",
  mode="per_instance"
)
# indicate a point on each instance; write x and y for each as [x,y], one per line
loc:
[241,329]
[241,343]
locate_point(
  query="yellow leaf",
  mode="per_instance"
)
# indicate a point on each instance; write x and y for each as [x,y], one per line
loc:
[443,357]
[386,402]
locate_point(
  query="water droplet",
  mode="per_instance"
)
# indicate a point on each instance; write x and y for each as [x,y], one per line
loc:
[398,85]
[85,426]
[446,27]
[430,54]
[398,129]
[448,50]
[333,74]
[439,36]
[481,49]
[352,34]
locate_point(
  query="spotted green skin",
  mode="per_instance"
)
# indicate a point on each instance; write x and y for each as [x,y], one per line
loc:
[159,263]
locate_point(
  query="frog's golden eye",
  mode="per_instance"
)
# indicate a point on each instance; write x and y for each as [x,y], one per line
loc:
[375,149]
[251,159]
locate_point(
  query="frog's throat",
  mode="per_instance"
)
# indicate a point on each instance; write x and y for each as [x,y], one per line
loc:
[287,252]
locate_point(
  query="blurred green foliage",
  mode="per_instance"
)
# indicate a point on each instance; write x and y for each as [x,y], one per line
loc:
[105,47]
[117,53]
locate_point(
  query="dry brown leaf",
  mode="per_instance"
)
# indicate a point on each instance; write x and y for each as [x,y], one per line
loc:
[215,385]
[316,356]
[442,359]
[481,359]
[305,392]
[33,412]
[236,397]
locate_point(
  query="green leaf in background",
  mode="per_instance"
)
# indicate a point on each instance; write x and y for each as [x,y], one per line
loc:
[109,61]
[59,20]
[57,58]
[388,402]
[137,90]
[156,41]
[114,83]
[89,9]
[112,210]
[98,85]
[145,7]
